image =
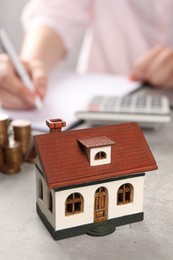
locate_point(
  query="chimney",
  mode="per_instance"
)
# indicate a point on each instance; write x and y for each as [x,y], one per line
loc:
[55,125]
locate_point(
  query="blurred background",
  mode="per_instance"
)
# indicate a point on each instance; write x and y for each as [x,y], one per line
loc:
[10,13]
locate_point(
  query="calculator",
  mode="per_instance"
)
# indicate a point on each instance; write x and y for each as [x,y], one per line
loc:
[148,110]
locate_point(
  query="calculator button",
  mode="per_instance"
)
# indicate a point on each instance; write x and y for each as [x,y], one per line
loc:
[95,103]
[156,102]
[126,101]
[141,101]
[97,100]
[109,104]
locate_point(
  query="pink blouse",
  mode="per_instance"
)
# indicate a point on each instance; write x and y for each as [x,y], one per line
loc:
[120,31]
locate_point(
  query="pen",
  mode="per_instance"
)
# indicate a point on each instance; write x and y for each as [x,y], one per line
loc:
[8,48]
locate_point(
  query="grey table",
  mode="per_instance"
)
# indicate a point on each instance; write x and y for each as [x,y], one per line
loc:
[23,236]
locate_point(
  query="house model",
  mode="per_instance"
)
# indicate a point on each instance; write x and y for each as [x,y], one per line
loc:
[90,180]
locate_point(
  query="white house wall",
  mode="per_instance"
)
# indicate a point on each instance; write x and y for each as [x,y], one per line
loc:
[43,204]
[88,192]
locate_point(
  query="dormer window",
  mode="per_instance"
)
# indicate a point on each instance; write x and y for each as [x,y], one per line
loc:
[100,156]
[98,149]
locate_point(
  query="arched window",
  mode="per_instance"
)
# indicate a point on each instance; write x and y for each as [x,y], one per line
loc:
[50,201]
[74,204]
[100,155]
[125,194]
[40,189]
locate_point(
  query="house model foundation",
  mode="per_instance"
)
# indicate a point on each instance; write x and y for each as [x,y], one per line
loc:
[90,180]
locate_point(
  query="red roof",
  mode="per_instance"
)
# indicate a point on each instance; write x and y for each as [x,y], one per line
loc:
[65,163]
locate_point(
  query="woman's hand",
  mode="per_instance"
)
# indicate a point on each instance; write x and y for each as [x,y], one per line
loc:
[13,93]
[155,67]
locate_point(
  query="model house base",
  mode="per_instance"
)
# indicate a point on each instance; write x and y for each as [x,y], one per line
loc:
[88,228]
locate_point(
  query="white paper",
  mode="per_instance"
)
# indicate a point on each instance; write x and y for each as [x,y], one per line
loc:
[69,92]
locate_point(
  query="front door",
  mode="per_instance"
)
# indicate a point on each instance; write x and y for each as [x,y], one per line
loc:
[101,205]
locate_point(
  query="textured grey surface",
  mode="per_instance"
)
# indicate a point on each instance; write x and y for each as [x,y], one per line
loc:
[23,236]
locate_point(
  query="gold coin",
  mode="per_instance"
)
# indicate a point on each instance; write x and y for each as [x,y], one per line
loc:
[10,168]
[22,132]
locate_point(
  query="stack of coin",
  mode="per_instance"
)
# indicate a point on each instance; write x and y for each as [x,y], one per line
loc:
[1,157]
[13,157]
[22,133]
[4,122]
